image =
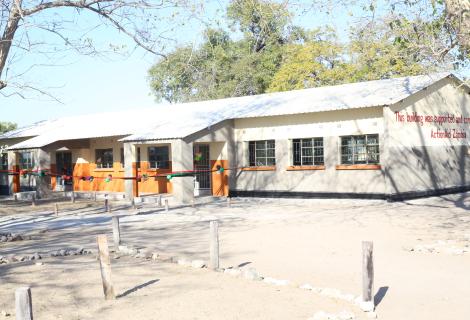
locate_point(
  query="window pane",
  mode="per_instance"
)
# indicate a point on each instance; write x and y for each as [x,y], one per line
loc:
[296,152]
[306,143]
[260,153]
[270,144]
[261,162]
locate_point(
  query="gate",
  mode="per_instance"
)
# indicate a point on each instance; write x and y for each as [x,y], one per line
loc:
[202,163]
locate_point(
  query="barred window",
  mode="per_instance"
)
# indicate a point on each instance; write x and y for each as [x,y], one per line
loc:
[26,160]
[363,149]
[308,152]
[4,161]
[262,153]
[159,157]
[104,158]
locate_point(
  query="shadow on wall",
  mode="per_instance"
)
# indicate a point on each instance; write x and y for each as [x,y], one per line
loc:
[426,167]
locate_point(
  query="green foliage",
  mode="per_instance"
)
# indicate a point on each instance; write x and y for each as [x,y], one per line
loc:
[7,126]
[274,55]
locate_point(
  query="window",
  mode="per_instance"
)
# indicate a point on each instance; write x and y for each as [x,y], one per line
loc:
[308,152]
[363,149]
[104,158]
[262,153]
[159,157]
[4,161]
[26,160]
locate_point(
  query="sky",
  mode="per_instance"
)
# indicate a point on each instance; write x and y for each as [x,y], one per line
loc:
[85,84]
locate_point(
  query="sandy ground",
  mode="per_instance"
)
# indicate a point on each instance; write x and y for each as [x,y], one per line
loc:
[70,288]
[304,241]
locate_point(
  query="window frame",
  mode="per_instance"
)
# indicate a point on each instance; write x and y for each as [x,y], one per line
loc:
[298,156]
[256,149]
[367,157]
[159,164]
[101,165]
[29,164]
[4,161]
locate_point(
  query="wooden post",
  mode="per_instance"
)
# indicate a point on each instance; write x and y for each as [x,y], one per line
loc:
[116,232]
[105,266]
[367,271]
[167,207]
[106,205]
[56,209]
[214,245]
[160,200]
[23,304]
[33,200]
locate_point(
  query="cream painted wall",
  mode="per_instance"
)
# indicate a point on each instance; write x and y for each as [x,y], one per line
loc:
[330,125]
[416,160]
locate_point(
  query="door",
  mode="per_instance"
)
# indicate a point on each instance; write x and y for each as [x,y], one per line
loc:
[202,164]
[63,162]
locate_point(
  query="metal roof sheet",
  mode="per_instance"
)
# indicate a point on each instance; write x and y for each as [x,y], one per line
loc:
[180,120]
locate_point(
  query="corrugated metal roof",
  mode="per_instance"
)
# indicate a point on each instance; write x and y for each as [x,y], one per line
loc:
[181,120]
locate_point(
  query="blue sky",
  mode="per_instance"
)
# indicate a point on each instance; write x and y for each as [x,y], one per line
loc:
[95,84]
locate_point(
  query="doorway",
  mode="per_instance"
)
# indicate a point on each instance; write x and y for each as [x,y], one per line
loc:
[63,162]
[202,164]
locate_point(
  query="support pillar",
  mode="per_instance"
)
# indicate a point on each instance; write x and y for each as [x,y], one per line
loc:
[43,184]
[182,160]
[13,180]
[130,170]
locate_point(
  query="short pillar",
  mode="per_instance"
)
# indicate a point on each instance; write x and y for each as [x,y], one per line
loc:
[367,273]
[116,232]
[33,200]
[159,200]
[106,204]
[167,207]
[23,304]
[214,245]
[56,209]
[105,267]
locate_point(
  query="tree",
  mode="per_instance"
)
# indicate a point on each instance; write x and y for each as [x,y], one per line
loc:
[21,20]
[7,126]
[223,67]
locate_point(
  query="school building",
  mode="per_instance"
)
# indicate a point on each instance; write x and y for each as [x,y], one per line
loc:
[386,139]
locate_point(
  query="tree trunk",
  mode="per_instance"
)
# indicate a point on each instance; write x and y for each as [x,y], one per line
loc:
[8,35]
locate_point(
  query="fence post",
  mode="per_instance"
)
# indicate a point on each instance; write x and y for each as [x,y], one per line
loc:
[106,204]
[229,202]
[105,267]
[33,200]
[116,232]
[72,196]
[167,207]
[56,209]
[23,304]
[160,200]
[214,245]
[368,274]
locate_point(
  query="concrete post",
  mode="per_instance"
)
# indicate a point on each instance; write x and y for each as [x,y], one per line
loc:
[130,159]
[13,180]
[43,183]
[182,160]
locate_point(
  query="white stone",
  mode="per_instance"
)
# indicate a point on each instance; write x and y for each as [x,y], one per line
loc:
[276,282]
[234,272]
[39,263]
[251,274]
[197,264]
[366,306]
[155,256]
